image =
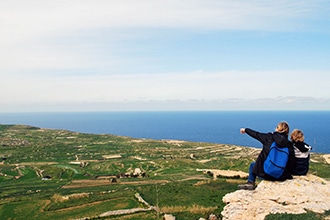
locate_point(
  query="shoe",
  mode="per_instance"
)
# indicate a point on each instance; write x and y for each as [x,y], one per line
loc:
[247,186]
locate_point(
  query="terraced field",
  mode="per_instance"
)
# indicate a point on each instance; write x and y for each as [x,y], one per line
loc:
[58,174]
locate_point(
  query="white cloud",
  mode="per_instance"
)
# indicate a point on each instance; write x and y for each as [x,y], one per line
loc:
[49,54]
[40,17]
[28,28]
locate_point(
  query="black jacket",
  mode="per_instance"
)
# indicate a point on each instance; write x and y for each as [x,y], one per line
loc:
[302,156]
[267,139]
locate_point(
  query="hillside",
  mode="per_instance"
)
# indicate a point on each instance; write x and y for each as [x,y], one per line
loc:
[59,174]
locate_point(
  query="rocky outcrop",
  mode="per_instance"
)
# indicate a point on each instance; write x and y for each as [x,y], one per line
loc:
[301,194]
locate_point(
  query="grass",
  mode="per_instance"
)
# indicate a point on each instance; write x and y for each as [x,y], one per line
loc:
[305,216]
[171,181]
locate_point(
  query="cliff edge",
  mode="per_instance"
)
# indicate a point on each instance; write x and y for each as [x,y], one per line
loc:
[296,196]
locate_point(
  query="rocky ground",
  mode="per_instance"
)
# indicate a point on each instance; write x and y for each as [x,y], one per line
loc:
[301,194]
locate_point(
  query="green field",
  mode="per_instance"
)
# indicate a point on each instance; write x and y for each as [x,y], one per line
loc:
[58,174]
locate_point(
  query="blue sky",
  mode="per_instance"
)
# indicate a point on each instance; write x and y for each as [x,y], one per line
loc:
[110,55]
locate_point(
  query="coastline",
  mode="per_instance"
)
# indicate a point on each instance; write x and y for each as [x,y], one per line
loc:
[210,127]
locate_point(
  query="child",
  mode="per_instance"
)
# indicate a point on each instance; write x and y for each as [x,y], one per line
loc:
[301,152]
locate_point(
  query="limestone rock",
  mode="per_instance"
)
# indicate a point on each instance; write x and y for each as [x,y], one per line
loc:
[168,217]
[291,196]
[213,217]
[137,171]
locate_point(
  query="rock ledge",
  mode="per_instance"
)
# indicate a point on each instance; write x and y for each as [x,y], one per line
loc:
[296,196]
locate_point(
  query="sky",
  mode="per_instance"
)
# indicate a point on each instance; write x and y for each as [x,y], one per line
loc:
[164,55]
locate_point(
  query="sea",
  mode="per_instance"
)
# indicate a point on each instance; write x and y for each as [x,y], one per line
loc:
[197,126]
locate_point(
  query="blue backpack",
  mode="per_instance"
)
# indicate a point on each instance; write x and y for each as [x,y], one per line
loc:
[276,161]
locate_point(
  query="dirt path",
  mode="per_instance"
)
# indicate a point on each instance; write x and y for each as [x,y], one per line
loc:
[125,211]
[327,158]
